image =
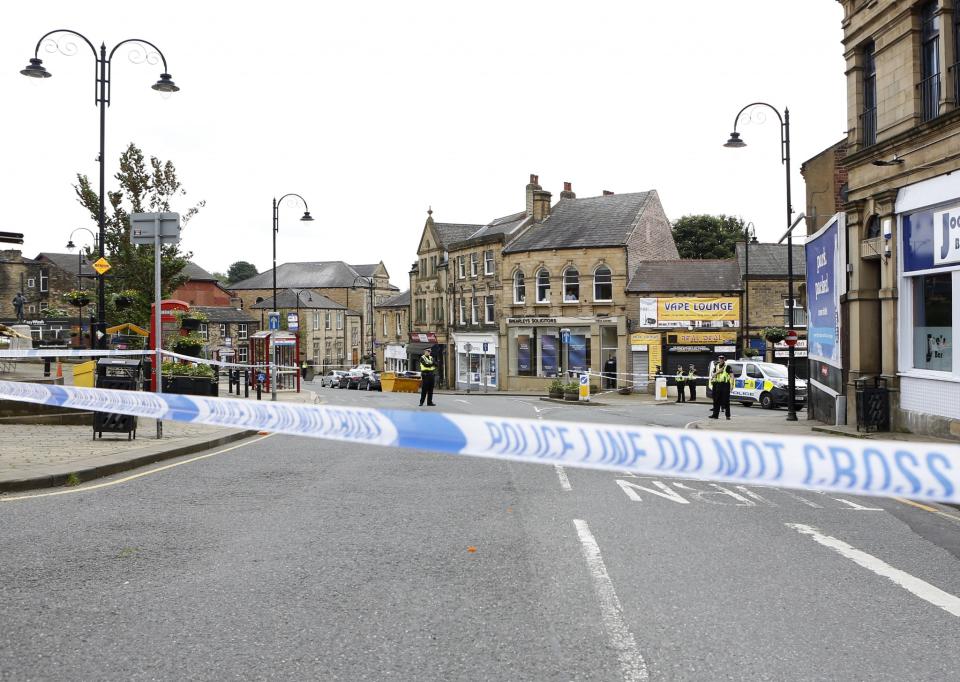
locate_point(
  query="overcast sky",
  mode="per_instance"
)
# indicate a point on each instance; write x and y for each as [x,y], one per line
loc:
[374,111]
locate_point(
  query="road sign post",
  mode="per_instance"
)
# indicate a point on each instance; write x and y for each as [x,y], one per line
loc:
[585,387]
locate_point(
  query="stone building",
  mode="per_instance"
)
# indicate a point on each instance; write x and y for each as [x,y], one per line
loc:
[330,333]
[825,183]
[903,289]
[566,273]
[395,326]
[342,283]
[228,327]
[430,293]
[684,313]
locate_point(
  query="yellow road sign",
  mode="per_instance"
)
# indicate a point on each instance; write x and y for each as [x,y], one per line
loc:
[101,266]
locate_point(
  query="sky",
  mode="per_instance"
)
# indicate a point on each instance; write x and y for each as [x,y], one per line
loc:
[375,111]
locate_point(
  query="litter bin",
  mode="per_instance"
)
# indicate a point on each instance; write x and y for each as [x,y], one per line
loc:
[122,375]
[873,404]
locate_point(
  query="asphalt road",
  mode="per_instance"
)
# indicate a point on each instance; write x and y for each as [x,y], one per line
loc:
[287,558]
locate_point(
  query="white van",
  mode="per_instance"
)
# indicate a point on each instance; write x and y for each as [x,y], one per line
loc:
[760,382]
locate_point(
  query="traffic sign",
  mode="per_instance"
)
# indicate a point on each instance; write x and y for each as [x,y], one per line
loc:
[144,227]
[791,338]
[101,266]
[486,346]
[293,322]
[273,321]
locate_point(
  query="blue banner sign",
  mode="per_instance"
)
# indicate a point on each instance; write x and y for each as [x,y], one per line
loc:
[548,355]
[825,283]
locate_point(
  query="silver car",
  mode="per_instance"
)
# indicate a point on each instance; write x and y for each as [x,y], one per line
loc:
[332,378]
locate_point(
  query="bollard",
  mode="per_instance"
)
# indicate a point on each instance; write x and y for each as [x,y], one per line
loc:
[46,367]
[246,384]
[259,389]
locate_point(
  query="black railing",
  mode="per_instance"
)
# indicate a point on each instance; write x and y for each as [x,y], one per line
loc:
[930,97]
[868,127]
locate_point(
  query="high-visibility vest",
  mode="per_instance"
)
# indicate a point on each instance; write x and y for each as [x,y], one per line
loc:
[680,377]
[427,364]
[722,376]
[692,375]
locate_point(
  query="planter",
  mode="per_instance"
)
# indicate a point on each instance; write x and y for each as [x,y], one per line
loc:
[190,323]
[572,396]
[79,302]
[193,350]
[122,302]
[556,395]
[190,386]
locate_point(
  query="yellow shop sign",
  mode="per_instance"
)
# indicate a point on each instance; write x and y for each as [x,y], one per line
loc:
[696,338]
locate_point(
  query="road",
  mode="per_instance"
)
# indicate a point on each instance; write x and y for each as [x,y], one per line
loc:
[286,558]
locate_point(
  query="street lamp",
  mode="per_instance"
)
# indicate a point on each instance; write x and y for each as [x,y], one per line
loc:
[102,89]
[749,237]
[370,283]
[71,246]
[735,143]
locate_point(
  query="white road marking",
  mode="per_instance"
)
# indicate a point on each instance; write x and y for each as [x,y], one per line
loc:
[799,499]
[912,584]
[854,505]
[621,639]
[749,493]
[702,495]
[664,491]
[562,475]
[465,402]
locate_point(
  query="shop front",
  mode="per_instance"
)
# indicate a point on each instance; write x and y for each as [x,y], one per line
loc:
[929,305]
[646,352]
[540,349]
[395,358]
[477,368]
[697,348]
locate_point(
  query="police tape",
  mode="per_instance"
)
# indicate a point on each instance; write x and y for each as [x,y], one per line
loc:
[921,471]
[67,353]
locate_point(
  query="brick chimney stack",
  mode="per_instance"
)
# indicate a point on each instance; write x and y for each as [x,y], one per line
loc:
[541,205]
[607,193]
[568,192]
[532,187]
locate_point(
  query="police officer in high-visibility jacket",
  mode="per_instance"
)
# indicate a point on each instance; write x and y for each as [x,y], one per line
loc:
[720,383]
[428,370]
[681,391]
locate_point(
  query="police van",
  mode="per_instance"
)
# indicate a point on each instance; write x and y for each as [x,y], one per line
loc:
[760,382]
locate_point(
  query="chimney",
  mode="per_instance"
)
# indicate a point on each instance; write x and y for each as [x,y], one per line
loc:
[607,193]
[532,186]
[541,205]
[568,192]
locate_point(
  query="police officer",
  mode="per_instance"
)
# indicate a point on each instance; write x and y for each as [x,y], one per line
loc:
[692,383]
[720,383]
[428,370]
[681,391]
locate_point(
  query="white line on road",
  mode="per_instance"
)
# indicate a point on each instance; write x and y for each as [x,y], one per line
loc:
[915,586]
[562,475]
[621,639]
[465,402]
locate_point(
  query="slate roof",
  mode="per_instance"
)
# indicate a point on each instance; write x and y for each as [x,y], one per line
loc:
[398,301]
[196,273]
[67,262]
[770,260]
[450,233]
[588,222]
[505,226]
[315,275]
[224,313]
[368,270]
[686,276]
[287,298]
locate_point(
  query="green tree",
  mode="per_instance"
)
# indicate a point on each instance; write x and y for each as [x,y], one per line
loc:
[144,187]
[707,236]
[240,271]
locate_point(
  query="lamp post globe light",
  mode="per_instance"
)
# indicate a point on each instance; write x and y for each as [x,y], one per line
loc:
[369,283]
[735,143]
[71,246]
[102,90]
[276,228]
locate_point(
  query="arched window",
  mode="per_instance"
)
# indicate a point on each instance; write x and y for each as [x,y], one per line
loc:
[571,285]
[602,284]
[543,286]
[873,227]
[519,288]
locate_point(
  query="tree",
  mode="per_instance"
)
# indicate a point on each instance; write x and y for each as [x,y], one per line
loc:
[707,236]
[142,189]
[240,271]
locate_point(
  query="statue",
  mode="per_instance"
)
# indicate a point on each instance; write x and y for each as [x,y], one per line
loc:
[18,302]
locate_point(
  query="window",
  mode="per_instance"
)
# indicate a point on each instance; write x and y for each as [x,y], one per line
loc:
[929,61]
[339,319]
[488,262]
[384,319]
[31,283]
[44,278]
[242,331]
[242,354]
[223,330]
[354,336]
[548,351]
[474,264]
[753,372]
[460,268]
[399,326]
[204,332]
[463,310]
[488,310]
[440,309]
[933,322]
[519,288]
[571,285]
[543,286]
[326,320]
[316,321]
[474,310]
[868,119]
[602,284]
[44,306]
[433,265]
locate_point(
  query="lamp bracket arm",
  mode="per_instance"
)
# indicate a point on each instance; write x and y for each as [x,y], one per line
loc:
[146,57]
[36,50]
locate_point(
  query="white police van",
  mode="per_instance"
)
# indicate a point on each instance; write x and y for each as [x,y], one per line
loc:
[760,382]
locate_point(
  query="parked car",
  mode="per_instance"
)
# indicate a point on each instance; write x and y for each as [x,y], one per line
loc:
[370,382]
[353,379]
[344,380]
[332,378]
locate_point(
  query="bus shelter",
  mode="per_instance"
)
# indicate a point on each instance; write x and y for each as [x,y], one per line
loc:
[283,369]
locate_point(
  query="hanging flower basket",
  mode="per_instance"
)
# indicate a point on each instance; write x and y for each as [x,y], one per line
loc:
[774,334]
[77,298]
[191,345]
[192,320]
[124,299]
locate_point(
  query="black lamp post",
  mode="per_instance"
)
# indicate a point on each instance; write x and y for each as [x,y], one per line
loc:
[276,228]
[735,142]
[102,71]
[71,245]
[370,283]
[749,237]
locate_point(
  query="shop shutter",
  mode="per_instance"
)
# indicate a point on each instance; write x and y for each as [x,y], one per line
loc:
[641,370]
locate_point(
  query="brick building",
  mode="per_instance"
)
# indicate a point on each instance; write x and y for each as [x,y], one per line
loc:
[203,289]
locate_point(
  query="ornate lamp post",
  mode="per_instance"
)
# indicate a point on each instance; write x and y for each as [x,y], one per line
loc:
[71,246]
[369,283]
[735,142]
[749,237]
[104,66]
